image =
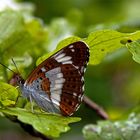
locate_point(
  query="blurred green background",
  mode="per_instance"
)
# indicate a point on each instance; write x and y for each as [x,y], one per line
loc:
[115,83]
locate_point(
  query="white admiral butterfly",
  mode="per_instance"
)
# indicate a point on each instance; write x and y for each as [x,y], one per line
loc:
[57,84]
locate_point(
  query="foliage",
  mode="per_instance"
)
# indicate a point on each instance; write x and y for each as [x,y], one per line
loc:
[134,48]
[27,40]
[55,124]
[50,125]
[117,130]
[8,95]
[100,43]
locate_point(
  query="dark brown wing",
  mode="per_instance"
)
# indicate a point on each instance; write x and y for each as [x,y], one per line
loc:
[61,76]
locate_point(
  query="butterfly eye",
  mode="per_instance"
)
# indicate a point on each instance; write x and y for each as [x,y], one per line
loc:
[19,79]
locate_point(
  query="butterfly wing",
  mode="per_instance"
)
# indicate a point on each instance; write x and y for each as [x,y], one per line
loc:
[61,78]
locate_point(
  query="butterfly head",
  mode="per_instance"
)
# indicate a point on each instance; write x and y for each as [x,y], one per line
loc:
[16,80]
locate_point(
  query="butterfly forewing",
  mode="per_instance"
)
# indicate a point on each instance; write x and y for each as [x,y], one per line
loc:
[60,77]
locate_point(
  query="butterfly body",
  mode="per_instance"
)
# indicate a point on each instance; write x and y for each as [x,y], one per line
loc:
[57,84]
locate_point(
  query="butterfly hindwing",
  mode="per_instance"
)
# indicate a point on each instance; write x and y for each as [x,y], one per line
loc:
[61,77]
[72,89]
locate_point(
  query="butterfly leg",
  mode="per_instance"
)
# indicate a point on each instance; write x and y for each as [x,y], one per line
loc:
[19,95]
[31,101]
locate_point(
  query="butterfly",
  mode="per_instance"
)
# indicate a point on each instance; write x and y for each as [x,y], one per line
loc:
[57,84]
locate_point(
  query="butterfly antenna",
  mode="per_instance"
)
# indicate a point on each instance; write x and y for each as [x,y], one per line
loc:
[6,67]
[15,65]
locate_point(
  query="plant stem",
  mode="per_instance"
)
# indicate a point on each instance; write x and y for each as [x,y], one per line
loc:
[100,111]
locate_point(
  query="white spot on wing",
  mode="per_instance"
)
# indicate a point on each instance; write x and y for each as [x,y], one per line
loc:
[80,95]
[66,58]
[59,75]
[72,50]
[82,98]
[71,114]
[52,72]
[83,88]
[67,62]
[56,103]
[74,94]
[76,67]
[56,87]
[57,92]
[82,79]
[58,53]
[82,69]
[55,97]
[43,69]
[71,46]
[77,107]
[60,56]
[60,81]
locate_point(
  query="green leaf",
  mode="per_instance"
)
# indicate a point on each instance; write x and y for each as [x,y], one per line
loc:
[11,25]
[128,129]
[8,94]
[37,30]
[100,43]
[61,45]
[10,22]
[50,125]
[134,48]
[18,37]
[104,42]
